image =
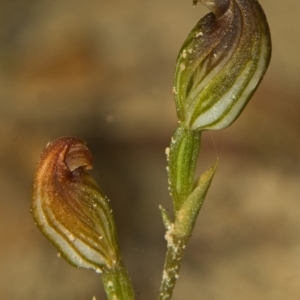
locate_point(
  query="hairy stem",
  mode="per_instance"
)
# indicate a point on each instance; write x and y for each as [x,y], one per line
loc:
[174,255]
[182,157]
[188,197]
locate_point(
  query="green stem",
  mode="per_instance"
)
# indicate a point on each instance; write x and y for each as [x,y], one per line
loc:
[117,283]
[174,255]
[184,150]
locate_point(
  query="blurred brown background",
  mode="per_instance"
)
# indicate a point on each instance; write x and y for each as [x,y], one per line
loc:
[103,70]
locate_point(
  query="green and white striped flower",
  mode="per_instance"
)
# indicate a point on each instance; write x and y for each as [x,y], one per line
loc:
[71,210]
[221,63]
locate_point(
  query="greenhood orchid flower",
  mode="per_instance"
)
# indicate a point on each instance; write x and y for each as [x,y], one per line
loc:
[221,64]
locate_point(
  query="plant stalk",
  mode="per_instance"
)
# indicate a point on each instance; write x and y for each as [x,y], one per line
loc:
[117,283]
[183,155]
[174,256]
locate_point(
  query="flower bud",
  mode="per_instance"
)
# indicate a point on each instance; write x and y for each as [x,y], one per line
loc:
[221,64]
[70,209]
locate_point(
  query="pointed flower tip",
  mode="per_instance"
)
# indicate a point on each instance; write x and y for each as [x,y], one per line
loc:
[221,64]
[69,207]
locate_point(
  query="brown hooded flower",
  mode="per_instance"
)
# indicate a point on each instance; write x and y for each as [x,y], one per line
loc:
[70,209]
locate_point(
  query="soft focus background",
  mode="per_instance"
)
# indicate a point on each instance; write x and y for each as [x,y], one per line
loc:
[103,70]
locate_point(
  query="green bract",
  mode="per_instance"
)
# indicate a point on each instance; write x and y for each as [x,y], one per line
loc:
[221,64]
